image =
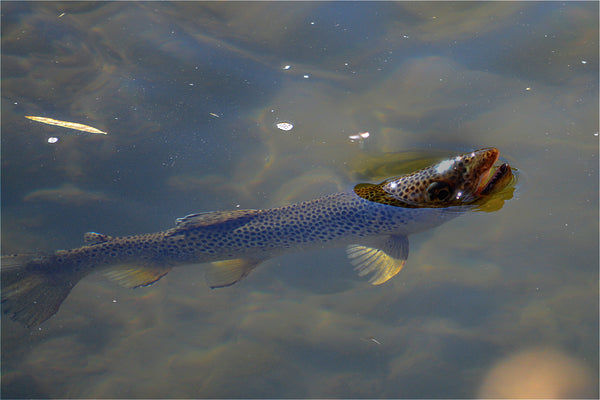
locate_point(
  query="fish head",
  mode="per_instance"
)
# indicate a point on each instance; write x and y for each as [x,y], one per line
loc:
[456,181]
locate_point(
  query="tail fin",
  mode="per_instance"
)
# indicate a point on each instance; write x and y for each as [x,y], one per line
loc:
[34,288]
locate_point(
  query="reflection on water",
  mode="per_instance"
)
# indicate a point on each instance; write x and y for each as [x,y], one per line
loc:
[483,297]
[538,373]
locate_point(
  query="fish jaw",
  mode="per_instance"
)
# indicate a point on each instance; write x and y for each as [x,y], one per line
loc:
[500,179]
[452,182]
[486,158]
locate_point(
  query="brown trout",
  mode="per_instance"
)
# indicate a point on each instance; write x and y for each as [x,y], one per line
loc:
[373,221]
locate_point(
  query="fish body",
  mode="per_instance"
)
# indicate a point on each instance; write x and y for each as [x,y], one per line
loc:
[373,221]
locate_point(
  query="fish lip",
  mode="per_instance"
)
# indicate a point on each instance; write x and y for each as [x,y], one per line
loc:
[488,184]
[492,155]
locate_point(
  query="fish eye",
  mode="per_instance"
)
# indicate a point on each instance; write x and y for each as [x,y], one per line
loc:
[440,191]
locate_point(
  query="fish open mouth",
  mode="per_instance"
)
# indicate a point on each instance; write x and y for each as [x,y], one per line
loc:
[496,181]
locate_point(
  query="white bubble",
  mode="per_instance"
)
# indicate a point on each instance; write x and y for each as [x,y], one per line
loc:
[284,126]
[360,136]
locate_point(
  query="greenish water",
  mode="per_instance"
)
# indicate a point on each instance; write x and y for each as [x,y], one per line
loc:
[501,304]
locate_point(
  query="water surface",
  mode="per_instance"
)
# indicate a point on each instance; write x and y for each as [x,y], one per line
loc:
[490,304]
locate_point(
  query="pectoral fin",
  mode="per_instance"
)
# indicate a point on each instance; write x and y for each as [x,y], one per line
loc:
[385,259]
[227,272]
[132,276]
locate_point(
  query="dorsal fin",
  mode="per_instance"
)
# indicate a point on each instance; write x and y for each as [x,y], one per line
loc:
[212,218]
[189,217]
[95,238]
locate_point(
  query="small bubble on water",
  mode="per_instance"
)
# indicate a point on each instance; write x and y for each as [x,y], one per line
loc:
[284,126]
[360,136]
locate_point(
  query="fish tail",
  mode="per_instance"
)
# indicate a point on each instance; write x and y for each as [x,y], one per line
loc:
[33,288]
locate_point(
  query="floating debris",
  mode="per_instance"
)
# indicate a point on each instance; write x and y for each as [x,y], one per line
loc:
[66,124]
[214,115]
[371,339]
[361,136]
[284,126]
[52,140]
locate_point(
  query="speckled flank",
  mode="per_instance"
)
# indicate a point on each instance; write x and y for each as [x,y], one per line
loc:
[376,216]
[338,218]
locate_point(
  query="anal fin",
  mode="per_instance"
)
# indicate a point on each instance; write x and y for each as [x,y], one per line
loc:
[227,272]
[385,259]
[133,276]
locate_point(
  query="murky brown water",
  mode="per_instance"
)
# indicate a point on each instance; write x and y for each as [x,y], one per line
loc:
[500,304]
